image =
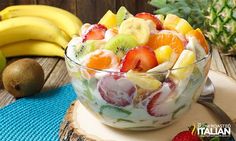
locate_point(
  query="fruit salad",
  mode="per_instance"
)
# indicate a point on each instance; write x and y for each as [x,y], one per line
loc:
[138,72]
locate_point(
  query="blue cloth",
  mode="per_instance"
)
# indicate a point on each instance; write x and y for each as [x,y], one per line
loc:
[36,118]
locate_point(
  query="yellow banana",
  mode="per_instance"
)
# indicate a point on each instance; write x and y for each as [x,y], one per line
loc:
[32,48]
[65,20]
[25,28]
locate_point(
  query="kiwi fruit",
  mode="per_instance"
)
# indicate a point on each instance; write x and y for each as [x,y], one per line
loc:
[87,47]
[23,77]
[122,14]
[121,44]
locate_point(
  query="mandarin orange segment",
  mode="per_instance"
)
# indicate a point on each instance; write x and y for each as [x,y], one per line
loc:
[99,62]
[200,37]
[152,42]
[163,39]
[102,59]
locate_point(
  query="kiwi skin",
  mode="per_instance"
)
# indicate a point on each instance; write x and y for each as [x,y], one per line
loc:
[23,77]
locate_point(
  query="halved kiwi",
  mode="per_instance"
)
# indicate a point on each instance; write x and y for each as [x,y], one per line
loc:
[87,47]
[121,44]
[122,14]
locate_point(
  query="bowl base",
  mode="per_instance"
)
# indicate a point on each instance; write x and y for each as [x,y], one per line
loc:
[141,128]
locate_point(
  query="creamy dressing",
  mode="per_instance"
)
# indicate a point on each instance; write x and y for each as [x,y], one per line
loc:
[109,34]
[71,49]
[195,46]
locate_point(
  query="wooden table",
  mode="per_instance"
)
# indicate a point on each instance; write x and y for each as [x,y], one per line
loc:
[56,74]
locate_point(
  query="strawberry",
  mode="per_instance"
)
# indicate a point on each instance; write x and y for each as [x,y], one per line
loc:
[95,32]
[157,103]
[141,58]
[117,75]
[148,16]
[186,136]
[170,83]
[152,105]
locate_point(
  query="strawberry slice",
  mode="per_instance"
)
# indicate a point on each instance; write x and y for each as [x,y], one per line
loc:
[148,16]
[95,32]
[186,136]
[157,102]
[139,59]
[152,105]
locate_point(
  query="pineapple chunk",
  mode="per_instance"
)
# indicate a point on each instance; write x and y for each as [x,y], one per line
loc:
[163,54]
[171,21]
[183,27]
[108,20]
[142,80]
[183,66]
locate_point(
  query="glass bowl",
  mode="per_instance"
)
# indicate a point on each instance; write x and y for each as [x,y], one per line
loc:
[133,101]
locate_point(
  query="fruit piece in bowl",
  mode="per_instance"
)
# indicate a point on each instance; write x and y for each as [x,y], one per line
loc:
[95,32]
[141,59]
[148,16]
[145,70]
[121,44]
[117,92]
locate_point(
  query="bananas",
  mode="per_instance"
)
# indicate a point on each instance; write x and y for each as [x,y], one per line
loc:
[32,48]
[25,28]
[136,27]
[36,30]
[66,21]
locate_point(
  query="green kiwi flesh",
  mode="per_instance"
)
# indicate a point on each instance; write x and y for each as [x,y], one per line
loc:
[122,14]
[121,44]
[87,47]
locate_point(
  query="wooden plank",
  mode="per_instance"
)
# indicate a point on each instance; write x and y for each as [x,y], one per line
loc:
[25,1]
[58,76]
[129,4]
[143,6]
[4,4]
[230,65]
[216,63]
[86,10]
[102,6]
[5,98]
[48,64]
[64,4]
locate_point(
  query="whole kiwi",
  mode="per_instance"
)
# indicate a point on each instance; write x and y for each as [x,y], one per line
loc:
[23,77]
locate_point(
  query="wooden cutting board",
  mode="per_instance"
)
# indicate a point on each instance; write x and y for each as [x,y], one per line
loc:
[79,124]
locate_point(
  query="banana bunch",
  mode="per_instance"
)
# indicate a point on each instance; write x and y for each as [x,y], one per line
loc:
[29,30]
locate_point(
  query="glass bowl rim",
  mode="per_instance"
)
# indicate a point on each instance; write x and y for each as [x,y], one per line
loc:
[207,56]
